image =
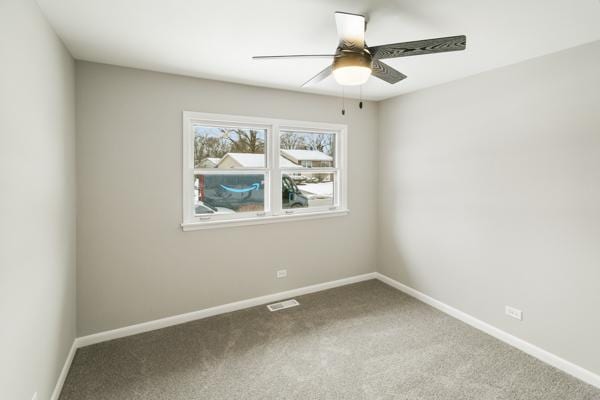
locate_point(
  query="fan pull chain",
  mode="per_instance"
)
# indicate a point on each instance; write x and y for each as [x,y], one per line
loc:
[360,104]
[343,102]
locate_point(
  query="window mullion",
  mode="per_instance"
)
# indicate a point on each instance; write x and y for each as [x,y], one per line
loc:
[275,172]
[232,171]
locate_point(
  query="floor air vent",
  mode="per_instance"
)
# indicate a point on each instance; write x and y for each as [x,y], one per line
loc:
[283,304]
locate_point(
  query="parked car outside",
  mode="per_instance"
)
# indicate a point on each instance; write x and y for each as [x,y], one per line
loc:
[292,197]
[206,208]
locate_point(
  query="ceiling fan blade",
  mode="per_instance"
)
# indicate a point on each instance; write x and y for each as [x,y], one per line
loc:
[292,56]
[351,30]
[386,73]
[318,77]
[429,46]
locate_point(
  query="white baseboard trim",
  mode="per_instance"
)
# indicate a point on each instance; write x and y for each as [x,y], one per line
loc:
[195,315]
[537,352]
[543,355]
[209,312]
[65,370]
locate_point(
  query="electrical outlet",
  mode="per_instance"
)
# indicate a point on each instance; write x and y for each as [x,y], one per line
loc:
[515,313]
[282,273]
[34,396]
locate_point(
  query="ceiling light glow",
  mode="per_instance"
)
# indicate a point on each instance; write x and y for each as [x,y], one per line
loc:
[352,75]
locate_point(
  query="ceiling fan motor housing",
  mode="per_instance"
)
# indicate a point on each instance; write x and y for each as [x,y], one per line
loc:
[346,58]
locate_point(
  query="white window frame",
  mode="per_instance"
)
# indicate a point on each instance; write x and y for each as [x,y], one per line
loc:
[273,211]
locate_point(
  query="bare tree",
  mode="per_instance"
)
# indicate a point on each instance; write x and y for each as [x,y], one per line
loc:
[199,150]
[209,146]
[217,147]
[322,142]
[292,141]
[244,141]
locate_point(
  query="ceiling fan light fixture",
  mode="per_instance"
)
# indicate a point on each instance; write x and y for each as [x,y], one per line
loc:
[352,75]
[352,69]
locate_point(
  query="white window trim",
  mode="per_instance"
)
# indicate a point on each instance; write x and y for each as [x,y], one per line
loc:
[273,211]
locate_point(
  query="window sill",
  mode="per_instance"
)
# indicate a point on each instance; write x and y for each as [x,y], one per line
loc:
[194,226]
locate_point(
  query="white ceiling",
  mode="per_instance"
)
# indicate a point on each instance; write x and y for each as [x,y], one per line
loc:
[216,39]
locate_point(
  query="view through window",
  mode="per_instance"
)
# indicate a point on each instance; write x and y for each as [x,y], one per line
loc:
[304,153]
[229,148]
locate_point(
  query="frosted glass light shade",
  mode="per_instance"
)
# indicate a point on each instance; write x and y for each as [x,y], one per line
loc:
[351,75]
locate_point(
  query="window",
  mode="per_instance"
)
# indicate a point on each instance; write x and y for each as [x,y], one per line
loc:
[242,170]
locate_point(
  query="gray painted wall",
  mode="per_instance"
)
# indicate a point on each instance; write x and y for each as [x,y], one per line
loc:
[490,196]
[134,262]
[37,202]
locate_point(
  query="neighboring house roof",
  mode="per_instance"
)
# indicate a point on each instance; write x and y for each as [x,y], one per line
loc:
[297,156]
[285,163]
[209,162]
[249,160]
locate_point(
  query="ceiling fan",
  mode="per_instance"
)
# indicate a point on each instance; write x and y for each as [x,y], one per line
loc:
[354,61]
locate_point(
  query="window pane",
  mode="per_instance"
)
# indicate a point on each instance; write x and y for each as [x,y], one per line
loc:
[308,150]
[227,194]
[307,189]
[218,147]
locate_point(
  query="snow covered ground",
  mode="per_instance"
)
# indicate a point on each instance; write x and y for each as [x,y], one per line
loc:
[319,194]
[323,189]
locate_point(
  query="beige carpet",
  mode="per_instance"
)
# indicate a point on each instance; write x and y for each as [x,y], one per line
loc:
[363,341]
